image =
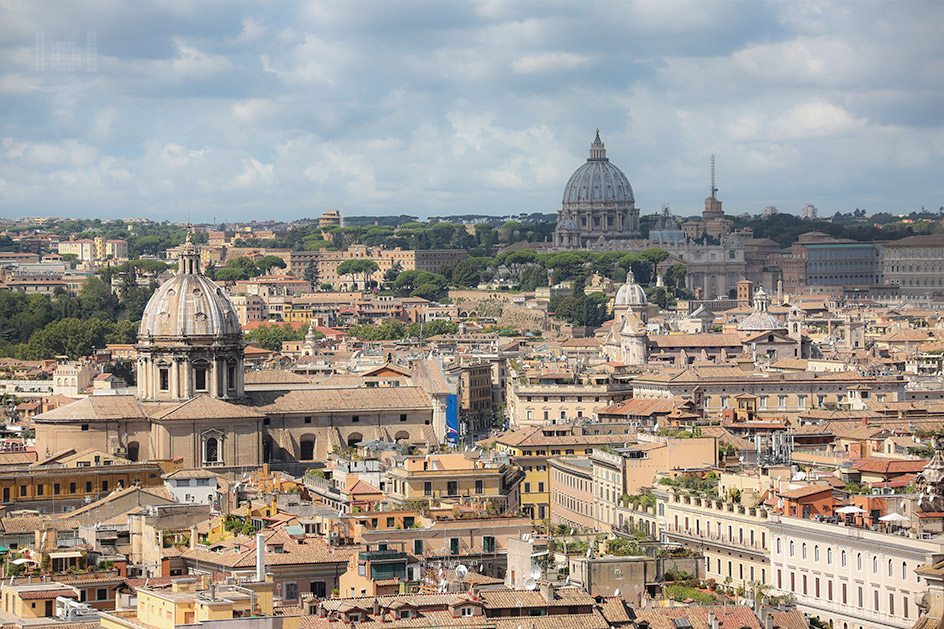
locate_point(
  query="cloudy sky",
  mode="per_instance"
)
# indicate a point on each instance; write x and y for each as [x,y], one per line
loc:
[240,110]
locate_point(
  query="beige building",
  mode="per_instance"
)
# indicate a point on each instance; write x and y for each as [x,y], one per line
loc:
[916,265]
[431,260]
[847,576]
[455,478]
[547,398]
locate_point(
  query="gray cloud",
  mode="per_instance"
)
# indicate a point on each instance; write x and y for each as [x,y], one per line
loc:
[241,109]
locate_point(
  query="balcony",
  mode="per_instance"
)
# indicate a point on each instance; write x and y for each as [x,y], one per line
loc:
[716,540]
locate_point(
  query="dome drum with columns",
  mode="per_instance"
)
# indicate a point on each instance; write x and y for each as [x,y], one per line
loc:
[190,341]
[598,202]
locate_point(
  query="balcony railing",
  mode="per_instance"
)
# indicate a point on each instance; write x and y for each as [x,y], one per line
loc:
[721,540]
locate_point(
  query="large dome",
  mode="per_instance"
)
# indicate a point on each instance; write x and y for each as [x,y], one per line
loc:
[189,305]
[598,181]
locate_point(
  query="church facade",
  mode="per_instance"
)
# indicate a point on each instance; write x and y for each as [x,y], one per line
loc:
[191,401]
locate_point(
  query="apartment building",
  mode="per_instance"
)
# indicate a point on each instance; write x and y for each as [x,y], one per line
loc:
[850,577]
[431,260]
[556,395]
[531,449]
[454,477]
[784,395]
[731,536]
[916,266]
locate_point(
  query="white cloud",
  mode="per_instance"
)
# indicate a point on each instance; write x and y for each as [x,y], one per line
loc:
[430,108]
[549,61]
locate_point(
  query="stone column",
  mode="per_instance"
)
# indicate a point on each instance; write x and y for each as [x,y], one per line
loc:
[214,375]
[175,378]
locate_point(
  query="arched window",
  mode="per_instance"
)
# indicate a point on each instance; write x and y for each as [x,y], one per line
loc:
[874,565]
[803,551]
[829,556]
[211,450]
[779,546]
[354,438]
[842,558]
[859,561]
[791,548]
[816,553]
[904,570]
[134,450]
[891,569]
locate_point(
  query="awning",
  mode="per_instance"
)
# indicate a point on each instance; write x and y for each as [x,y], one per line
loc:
[65,554]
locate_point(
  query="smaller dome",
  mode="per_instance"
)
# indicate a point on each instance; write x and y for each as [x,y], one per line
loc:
[760,322]
[631,293]
[566,224]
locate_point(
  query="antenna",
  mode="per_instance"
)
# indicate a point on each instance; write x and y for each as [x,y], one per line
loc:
[714,190]
[530,584]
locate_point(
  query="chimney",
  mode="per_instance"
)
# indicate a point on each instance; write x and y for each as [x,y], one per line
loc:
[260,557]
[769,620]
[712,621]
[376,609]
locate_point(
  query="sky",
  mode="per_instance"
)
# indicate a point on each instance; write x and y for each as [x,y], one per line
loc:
[280,110]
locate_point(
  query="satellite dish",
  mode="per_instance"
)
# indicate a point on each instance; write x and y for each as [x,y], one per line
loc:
[535,573]
[530,584]
[461,572]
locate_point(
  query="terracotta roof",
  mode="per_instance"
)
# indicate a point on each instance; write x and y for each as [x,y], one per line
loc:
[667,341]
[347,400]
[733,617]
[889,466]
[35,595]
[805,492]
[638,406]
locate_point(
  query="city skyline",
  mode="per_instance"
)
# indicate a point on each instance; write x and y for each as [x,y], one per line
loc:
[234,112]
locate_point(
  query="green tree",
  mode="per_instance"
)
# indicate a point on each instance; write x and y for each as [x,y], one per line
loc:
[358,266]
[271,335]
[98,301]
[311,273]
[267,263]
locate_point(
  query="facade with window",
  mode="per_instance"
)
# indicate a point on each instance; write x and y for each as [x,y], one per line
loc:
[849,577]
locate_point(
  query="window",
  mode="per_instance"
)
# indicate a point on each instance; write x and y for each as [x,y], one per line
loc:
[479,486]
[842,559]
[468,611]
[452,488]
[88,487]
[874,565]
[427,488]
[211,450]
[22,490]
[779,546]
[488,544]
[101,594]
[200,379]
[829,556]
[104,486]
[527,488]
[803,550]
[816,553]
[355,419]
[308,419]
[71,488]
[85,427]
[791,548]
[454,545]
[859,564]
[541,487]
[40,489]
[55,489]
[891,570]
[418,547]
[164,375]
